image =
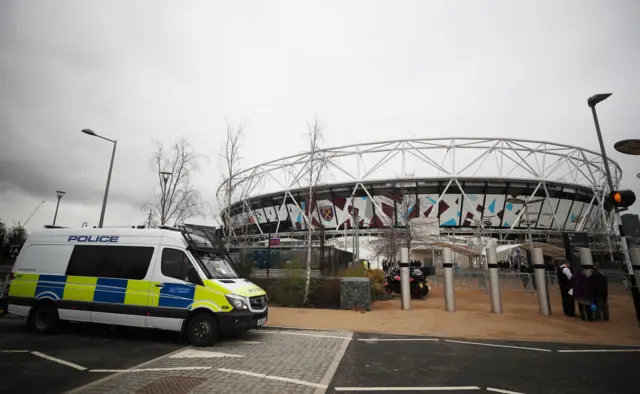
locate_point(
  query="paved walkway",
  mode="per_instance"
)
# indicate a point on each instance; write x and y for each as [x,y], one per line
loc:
[263,361]
[472,319]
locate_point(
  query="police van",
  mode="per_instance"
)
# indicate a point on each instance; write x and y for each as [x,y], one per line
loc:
[178,279]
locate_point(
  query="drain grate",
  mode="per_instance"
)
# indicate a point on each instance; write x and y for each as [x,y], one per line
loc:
[172,385]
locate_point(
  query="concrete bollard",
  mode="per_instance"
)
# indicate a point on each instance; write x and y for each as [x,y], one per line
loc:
[586,260]
[447,267]
[634,255]
[541,281]
[494,279]
[405,291]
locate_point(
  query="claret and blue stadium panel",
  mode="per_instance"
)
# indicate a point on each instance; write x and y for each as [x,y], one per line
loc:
[385,204]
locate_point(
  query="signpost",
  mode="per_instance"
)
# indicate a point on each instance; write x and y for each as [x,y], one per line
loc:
[573,241]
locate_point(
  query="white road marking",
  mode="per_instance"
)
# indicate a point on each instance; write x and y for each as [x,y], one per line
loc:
[59,361]
[503,391]
[272,377]
[599,351]
[100,381]
[444,388]
[149,369]
[397,339]
[246,342]
[495,345]
[333,367]
[14,351]
[194,353]
[304,334]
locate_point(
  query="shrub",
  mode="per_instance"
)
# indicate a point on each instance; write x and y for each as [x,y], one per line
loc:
[288,290]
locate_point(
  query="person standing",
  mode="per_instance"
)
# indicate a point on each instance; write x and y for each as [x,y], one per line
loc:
[582,293]
[600,293]
[564,281]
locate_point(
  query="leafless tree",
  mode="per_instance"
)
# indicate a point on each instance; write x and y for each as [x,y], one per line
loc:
[231,189]
[178,198]
[316,167]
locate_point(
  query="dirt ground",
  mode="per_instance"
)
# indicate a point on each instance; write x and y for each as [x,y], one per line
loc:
[520,319]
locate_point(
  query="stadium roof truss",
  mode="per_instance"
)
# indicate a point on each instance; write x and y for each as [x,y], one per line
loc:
[448,159]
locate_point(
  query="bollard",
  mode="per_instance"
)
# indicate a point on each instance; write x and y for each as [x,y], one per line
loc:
[634,255]
[541,281]
[586,260]
[405,291]
[447,267]
[494,279]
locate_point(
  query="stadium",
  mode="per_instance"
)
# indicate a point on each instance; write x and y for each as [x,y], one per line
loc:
[462,190]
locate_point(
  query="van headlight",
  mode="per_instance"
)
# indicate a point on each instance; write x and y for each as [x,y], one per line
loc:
[237,302]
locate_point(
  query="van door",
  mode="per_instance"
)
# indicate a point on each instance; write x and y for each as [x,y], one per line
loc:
[173,293]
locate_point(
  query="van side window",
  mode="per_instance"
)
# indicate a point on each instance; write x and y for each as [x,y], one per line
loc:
[124,262]
[175,264]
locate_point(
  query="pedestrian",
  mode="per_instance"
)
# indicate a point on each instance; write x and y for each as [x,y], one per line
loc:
[524,275]
[600,293]
[564,281]
[582,293]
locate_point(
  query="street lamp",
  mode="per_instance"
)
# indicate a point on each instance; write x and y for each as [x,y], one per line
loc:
[106,190]
[55,215]
[163,198]
[628,147]
[635,293]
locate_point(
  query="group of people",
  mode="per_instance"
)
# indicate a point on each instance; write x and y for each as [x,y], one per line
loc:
[589,292]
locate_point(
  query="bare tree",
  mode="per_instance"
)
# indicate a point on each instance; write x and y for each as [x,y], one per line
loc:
[178,198]
[231,189]
[316,167]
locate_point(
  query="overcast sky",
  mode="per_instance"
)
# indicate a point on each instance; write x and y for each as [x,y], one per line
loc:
[145,71]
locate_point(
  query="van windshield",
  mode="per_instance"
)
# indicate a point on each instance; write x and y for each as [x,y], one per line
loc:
[217,267]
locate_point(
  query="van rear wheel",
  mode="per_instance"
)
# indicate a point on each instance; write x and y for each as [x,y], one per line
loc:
[44,318]
[202,329]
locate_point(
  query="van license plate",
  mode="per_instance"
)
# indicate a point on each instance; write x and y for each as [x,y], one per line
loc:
[262,321]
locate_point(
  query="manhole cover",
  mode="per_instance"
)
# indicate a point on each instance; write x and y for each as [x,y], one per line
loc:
[172,385]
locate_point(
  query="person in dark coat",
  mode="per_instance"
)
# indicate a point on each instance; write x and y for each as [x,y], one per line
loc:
[600,293]
[582,293]
[564,281]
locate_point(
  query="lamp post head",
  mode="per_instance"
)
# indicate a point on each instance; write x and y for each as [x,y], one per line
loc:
[596,98]
[165,175]
[60,193]
[89,132]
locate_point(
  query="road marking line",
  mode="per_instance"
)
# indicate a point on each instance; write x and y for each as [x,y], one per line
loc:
[304,334]
[445,388]
[333,367]
[272,377]
[105,379]
[503,391]
[59,361]
[194,353]
[599,351]
[149,369]
[14,351]
[397,339]
[495,345]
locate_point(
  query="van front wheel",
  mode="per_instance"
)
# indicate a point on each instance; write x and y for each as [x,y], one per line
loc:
[202,329]
[44,318]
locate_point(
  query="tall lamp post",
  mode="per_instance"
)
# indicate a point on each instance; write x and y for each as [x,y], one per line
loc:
[106,189]
[635,293]
[163,198]
[55,215]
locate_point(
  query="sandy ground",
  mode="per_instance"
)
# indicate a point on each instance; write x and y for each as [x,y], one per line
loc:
[520,319]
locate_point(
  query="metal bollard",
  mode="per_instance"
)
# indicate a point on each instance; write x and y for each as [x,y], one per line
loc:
[541,281]
[405,291]
[447,267]
[634,255]
[494,279]
[586,260]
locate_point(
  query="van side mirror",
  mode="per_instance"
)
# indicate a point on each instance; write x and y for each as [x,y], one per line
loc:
[193,277]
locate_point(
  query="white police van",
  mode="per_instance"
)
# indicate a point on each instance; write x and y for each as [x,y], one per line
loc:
[178,279]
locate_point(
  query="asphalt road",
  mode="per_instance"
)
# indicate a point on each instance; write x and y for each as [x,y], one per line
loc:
[31,370]
[397,362]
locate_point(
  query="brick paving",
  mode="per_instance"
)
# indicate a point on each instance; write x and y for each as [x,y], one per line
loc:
[275,361]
